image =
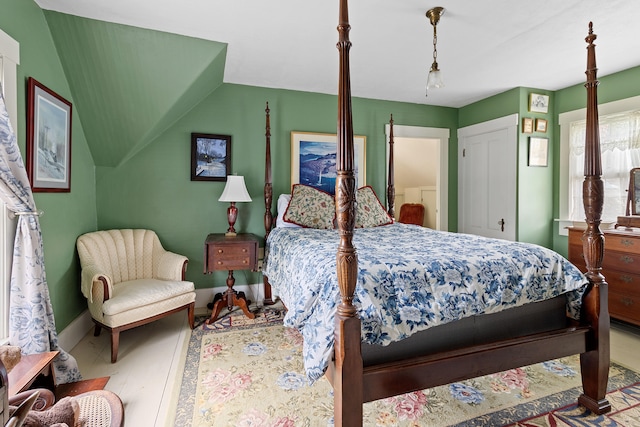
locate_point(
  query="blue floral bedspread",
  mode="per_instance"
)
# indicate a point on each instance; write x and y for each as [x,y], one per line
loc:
[410,278]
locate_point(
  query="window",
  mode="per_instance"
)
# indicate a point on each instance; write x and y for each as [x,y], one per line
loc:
[620,146]
[9,59]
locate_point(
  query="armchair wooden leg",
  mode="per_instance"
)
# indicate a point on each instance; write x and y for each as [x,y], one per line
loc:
[115,342]
[97,330]
[191,314]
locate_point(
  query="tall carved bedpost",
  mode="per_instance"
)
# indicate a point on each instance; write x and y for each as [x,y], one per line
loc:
[594,363]
[347,379]
[391,189]
[268,198]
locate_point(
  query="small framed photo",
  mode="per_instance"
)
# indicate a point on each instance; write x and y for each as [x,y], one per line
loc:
[527,125]
[210,157]
[48,139]
[538,151]
[541,125]
[538,103]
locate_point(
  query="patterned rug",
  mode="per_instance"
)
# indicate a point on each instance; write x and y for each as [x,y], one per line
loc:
[243,372]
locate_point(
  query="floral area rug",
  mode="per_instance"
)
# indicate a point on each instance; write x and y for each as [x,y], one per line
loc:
[250,373]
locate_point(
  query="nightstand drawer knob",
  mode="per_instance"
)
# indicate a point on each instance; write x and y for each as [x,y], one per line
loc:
[244,261]
[220,251]
[244,249]
[219,262]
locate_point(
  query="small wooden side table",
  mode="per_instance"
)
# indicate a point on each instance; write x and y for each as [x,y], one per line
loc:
[222,252]
[30,368]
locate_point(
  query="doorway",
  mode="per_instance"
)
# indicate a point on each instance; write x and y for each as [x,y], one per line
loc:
[421,156]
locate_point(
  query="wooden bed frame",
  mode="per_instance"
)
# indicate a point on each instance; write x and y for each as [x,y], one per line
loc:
[355,381]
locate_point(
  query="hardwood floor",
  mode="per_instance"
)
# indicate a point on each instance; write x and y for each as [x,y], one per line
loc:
[146,375]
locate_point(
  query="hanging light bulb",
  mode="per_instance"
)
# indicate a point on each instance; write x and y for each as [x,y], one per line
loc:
[434,79]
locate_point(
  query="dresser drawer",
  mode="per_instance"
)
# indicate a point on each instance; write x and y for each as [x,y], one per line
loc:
[624,295]
[623,261]
[622,242]
[624,307]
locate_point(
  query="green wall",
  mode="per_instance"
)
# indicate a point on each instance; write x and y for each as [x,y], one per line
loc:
[534,187]
[66,215]
[153,189]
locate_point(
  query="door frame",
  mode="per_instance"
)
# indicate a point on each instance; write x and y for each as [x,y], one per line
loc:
[442,178]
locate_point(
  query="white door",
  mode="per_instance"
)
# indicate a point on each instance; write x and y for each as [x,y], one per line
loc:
[487,170]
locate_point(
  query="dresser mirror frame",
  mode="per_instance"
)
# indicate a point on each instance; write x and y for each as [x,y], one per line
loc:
[633,198]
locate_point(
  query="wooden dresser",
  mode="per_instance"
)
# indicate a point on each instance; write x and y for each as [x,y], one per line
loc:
[621,269]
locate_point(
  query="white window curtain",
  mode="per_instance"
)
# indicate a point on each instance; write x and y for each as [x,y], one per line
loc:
[620,147]
[31,323]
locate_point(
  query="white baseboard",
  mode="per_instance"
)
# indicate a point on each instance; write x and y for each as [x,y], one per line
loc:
[70,336]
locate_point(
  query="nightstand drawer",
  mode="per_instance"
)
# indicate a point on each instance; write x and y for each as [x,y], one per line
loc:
[231,253]
[231,257]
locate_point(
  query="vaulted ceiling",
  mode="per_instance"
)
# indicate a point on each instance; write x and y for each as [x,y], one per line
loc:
[108,67]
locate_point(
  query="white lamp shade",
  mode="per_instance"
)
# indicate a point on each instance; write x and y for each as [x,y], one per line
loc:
[235,190]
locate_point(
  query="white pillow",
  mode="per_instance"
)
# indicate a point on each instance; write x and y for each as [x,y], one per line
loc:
[283,202]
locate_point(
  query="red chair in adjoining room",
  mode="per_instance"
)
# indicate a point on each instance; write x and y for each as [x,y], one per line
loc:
[412,213]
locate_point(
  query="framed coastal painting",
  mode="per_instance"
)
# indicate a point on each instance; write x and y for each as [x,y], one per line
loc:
[210,157]
[313,160]
[48,139]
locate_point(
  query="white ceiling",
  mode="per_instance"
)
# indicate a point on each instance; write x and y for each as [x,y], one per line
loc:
[484,47]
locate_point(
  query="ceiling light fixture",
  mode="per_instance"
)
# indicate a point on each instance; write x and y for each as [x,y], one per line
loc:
[434,80]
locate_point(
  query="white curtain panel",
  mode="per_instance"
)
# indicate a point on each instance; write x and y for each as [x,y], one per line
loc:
[31,322]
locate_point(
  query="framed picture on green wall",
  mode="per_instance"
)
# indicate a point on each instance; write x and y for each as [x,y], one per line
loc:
[210,157]
[538,103]
[538,151]
[313,160]
[48,139]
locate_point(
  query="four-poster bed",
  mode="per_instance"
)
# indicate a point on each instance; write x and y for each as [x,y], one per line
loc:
[454,350]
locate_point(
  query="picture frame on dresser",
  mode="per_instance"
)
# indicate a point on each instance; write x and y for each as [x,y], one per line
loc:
[48,139]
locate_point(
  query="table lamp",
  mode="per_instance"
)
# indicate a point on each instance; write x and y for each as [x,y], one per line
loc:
[234,191]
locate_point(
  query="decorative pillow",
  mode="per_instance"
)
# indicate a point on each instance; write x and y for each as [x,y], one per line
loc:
[369,211]
[310,208]
[283,202]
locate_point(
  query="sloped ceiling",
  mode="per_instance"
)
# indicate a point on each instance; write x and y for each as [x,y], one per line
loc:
[484,47]
[131,83]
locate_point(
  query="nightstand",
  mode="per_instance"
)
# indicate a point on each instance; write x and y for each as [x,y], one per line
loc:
[239,252]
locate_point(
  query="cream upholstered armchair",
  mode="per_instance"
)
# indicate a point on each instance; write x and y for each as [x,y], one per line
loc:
[129,280]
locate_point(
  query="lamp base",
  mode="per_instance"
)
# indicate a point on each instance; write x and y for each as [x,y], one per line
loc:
[230,234]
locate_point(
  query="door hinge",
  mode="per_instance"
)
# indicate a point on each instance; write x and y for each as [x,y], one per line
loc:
[464,152]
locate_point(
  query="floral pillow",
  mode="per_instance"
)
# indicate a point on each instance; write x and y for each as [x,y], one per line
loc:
[310,208]
[369,211]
